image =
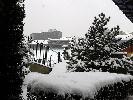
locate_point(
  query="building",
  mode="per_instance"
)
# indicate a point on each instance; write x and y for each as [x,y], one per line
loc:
[52,43]
[52,33]
[126,43]
[126,6]
[65,41]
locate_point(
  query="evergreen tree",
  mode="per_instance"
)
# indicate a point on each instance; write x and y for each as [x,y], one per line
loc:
[75,55]
[100,43]
[96,49]
[11,21]
[28,57]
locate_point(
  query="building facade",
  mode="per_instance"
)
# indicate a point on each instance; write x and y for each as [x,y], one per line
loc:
[126,43]
[52,34]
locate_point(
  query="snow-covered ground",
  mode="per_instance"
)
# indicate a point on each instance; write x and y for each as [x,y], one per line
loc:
[61,81]
[59,68]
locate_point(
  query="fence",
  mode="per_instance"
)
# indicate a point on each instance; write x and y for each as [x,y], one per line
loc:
[46,55]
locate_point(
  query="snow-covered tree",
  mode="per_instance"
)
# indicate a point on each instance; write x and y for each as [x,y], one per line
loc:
[28,57]
[75,56]
[95,50]
[100,43]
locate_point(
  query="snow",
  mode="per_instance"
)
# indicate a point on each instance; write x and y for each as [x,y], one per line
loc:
[91,48]
[119,53]
[107,48]
[125,37]
[59,68]
[62,82]
[63,38]
[28,79]
[85,84]
[65,46]
[39,41]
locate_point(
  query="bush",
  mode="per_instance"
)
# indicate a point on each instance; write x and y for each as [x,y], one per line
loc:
[107,87]
[117,91]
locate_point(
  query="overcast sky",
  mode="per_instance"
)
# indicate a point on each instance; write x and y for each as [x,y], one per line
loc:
[71,17]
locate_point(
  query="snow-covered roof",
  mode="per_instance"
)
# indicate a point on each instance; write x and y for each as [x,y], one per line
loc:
[125,37]
[119,53]
[63,38]
[39,41]
[65,46]
[66,38]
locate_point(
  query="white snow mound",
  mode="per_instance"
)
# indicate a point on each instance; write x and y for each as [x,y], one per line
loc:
[85,84]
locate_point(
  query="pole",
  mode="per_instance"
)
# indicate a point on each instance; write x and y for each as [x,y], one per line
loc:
[50,61]
[58,57]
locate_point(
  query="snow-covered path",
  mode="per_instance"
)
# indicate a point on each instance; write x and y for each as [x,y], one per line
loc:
[59,68]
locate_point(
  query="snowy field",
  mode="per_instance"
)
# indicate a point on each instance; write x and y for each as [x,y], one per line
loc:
[62,82]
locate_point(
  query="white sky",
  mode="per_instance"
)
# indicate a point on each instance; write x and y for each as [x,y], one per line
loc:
[71,17]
